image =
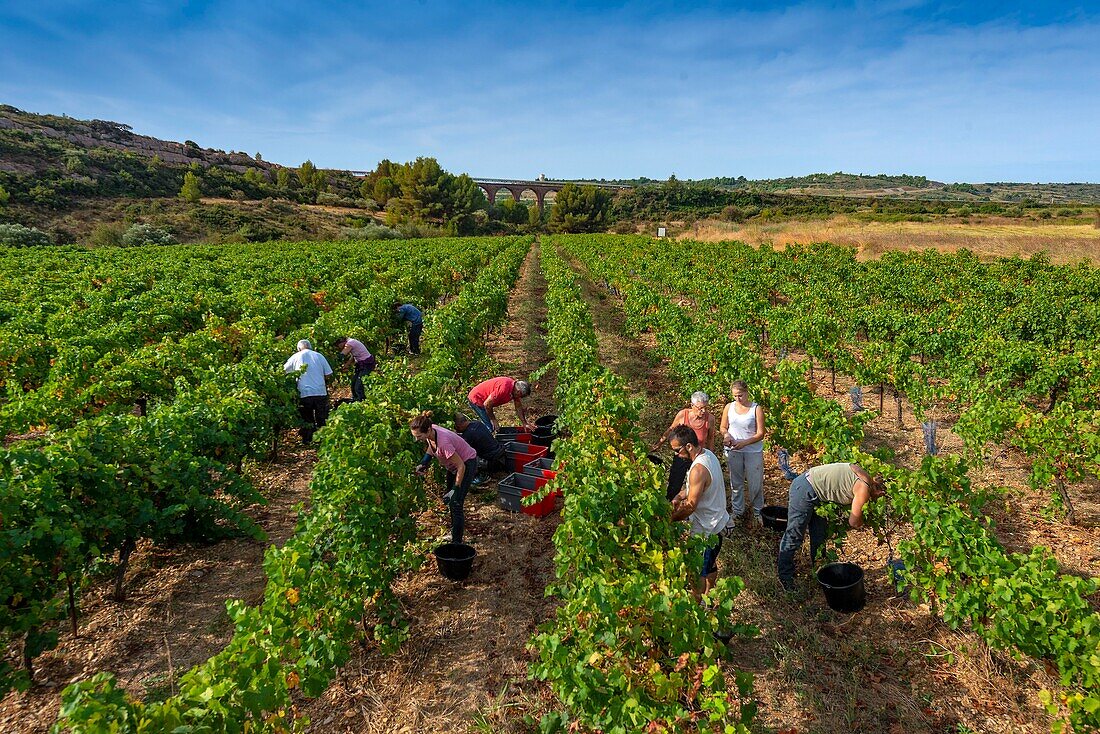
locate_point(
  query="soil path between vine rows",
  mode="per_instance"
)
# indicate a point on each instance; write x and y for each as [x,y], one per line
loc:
[889,669]
[173,617]
[464,667]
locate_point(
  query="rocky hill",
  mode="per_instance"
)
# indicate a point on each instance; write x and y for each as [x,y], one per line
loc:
[77,135]
[86,180]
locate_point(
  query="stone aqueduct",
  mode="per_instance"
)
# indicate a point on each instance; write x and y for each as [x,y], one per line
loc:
[515,187]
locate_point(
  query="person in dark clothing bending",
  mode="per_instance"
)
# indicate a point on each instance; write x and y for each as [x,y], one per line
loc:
[488,449]
[410,313]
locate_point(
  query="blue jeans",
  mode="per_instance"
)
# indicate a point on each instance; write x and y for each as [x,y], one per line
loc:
[458,516]
[482,415]
[800,516]
[710,556]
[414,337]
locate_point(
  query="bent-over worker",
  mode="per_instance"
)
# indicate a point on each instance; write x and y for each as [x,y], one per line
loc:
[842,484]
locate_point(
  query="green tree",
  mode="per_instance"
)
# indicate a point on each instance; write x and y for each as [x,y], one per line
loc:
[319,180]
[191,190]
[253,176]
[534,216]
[4,197]
[580,209]
[306,172]
[282,178]
[384,189]
[465,199]
[424,193]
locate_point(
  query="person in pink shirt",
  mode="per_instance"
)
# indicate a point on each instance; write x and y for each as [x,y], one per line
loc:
[456,456]
[365,363]
[499,390]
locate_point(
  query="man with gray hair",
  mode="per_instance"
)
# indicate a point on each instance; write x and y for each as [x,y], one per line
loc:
[698,418]
[311,369]
[492,393]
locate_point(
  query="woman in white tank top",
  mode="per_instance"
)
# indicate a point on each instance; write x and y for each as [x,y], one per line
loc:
[743,440]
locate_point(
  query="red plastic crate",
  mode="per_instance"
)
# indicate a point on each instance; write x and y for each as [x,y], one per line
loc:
[523,453]
[525,485]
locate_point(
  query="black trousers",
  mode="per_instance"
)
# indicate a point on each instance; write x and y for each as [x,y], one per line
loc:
[314,413]
[414,337]
[458,498]
[362,369]
[677,475]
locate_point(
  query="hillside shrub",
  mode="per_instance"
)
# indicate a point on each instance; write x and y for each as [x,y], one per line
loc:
[140,235]
[108,234]
[16,235]
[370,232]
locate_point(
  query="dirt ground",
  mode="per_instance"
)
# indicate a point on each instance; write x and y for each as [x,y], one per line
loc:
[174,614]
[464,667]
[889,669]
[893,667]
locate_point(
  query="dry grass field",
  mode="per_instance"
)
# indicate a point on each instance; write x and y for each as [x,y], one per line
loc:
[987,237]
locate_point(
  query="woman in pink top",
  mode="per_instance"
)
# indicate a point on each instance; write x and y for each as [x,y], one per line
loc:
[364,364]
[456,456]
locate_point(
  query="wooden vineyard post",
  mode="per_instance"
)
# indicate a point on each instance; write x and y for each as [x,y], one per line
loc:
[72,602]
[120,573]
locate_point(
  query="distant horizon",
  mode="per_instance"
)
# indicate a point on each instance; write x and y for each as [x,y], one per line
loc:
[959,93]
[574,178]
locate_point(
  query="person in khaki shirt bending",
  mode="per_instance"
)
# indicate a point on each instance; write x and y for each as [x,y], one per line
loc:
[842,484]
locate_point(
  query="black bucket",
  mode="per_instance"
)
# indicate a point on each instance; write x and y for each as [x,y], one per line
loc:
[656,458]
[843,586]
[455,560]
[547,421]
[543,436]
[775,517]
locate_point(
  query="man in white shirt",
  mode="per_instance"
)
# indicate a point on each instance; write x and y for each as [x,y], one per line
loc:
[312,369]
[702,501]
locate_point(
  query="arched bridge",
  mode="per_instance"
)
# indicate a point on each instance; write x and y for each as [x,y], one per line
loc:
[516,187]
[539,188]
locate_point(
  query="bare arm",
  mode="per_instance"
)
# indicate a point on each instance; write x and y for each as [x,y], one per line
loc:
[521,412]
[726,440]
[698,478]
[664,436]
[861,495]
[492,415]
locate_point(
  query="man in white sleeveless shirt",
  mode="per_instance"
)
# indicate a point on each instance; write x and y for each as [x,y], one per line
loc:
[702,501]
[841,484]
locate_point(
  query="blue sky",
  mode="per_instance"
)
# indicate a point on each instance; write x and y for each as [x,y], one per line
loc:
[961,91]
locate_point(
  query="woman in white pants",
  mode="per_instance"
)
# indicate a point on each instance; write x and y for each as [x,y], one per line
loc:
[743,439]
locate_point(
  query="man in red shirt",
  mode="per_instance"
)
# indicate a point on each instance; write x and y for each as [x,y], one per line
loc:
[494,392]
